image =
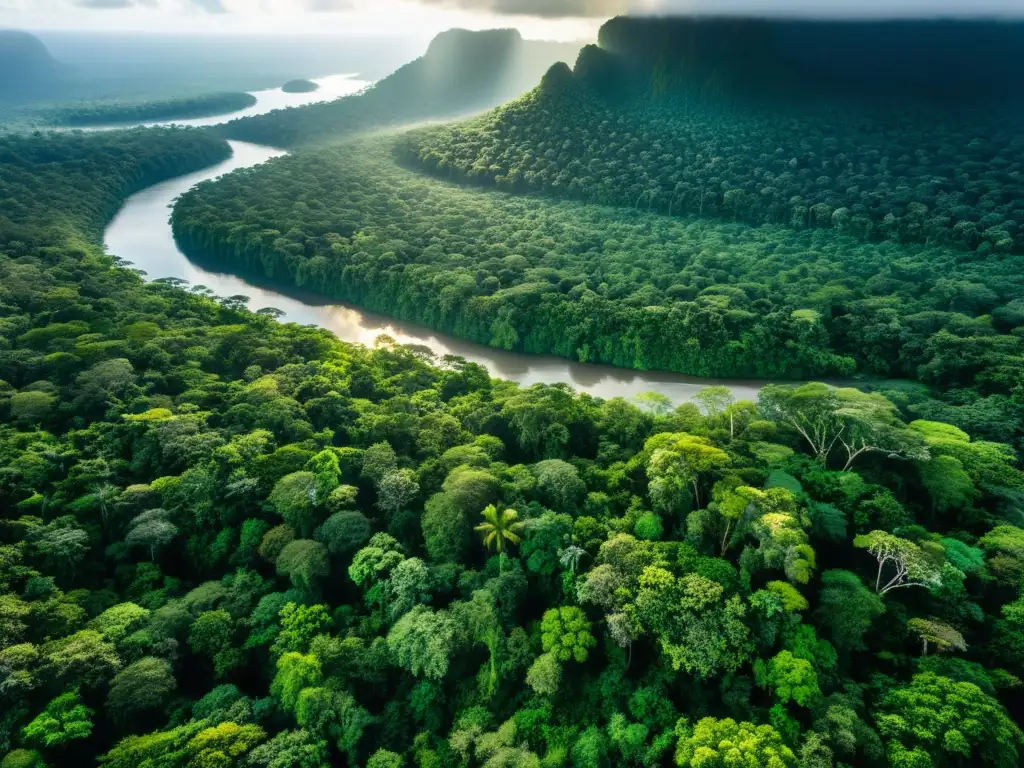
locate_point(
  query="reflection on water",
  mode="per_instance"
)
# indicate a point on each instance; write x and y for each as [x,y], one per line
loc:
[141,234]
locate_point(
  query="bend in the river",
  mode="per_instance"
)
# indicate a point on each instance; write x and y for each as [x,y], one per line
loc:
[141,233]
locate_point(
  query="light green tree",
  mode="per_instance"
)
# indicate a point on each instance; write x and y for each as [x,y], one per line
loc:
[499,529]
[907,563]
[383,758]
[423,641]
[545,674]
[223,745]
[396,490]
[305,562]
[697,627]
[790,678]
[565,633]
[296,498]
[939,634]
[64,719]
[290,749]
[678,460]
[714,743]
[295,671]
[937,721]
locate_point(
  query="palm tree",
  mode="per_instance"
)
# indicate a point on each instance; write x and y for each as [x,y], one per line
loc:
[498,528]
[570,557]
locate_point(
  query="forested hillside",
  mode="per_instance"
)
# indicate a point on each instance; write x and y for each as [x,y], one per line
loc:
[28,67]
[232,542]
[132,111]
[610,285]
[912,173]
[59,188]
[461,72]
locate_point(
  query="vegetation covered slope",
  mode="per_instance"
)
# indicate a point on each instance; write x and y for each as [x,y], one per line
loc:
[228,542]
[236,543]
[461,72]
[231,542]
[28,67]
[678,137]
[61,187]
[612,285]
[127,111]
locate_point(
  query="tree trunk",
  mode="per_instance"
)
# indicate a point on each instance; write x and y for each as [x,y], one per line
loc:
[725,538]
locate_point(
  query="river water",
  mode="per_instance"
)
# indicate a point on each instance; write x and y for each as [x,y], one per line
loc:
[141,233]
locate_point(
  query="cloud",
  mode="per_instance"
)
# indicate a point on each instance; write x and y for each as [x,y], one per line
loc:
[103,4]
[109,4]
[554,9]
[842,9]
[329,6]
[790,8]
[210,6]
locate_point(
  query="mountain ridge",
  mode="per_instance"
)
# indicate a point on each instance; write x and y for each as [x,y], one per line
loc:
[462,71]
[30,60]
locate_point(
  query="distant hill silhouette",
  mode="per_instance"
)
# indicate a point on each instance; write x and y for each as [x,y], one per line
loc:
[916,59]
[461,72]
[29,69]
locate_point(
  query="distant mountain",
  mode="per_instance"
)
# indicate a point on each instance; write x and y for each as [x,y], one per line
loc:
[461,72]
[29,69]
[915,59]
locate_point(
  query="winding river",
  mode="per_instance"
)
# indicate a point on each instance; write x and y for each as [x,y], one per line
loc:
[141,233]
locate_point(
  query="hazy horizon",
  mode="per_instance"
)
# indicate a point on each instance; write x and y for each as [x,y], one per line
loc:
[560,20]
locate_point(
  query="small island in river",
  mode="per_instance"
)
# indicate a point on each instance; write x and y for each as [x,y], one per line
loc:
[300,86]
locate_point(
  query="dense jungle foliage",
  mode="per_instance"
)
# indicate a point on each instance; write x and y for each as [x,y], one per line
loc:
[111,112]
[880,173]
[232,542]
[229,542]
[611,285]
[461,72]
[62,187]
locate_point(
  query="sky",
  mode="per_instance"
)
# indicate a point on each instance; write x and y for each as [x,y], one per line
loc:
[539,19]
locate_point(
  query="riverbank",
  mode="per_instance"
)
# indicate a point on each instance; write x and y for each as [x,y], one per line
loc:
[140,233]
